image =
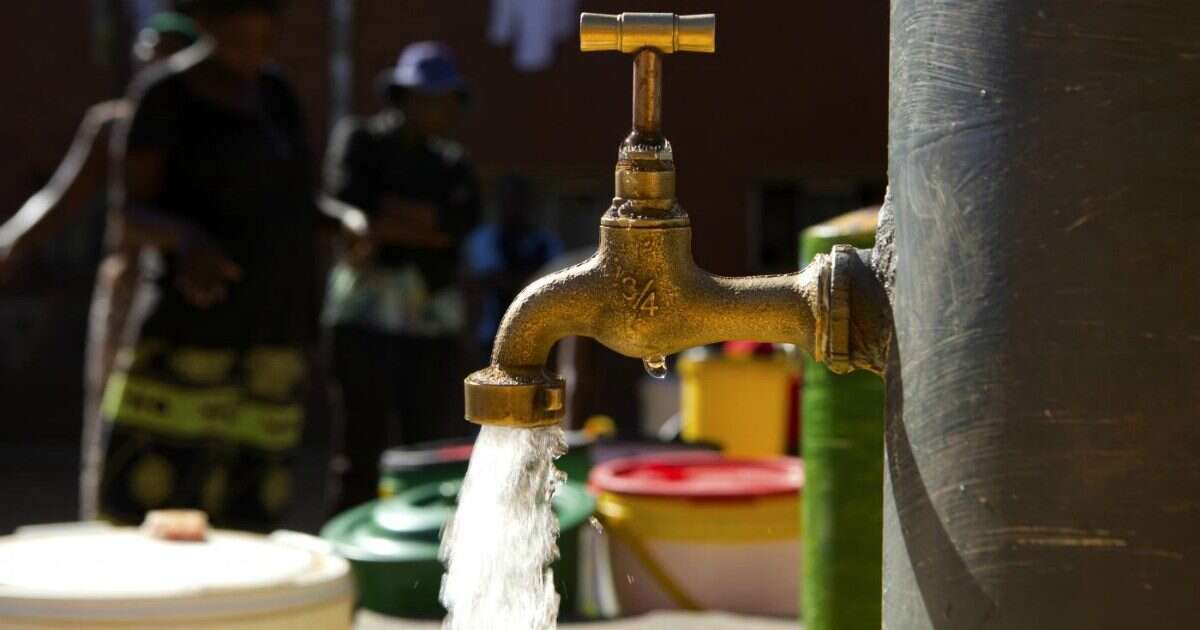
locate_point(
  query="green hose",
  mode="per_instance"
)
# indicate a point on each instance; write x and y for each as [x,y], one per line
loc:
[842,447]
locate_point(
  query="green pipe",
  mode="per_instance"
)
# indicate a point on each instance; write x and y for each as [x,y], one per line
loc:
[842,447]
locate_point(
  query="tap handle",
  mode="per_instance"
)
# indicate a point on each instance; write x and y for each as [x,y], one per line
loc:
[648,36]
[633,32]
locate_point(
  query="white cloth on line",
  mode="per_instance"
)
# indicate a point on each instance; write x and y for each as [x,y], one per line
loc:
[534,28]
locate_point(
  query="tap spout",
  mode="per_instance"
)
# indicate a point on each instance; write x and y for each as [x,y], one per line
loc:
[642,295]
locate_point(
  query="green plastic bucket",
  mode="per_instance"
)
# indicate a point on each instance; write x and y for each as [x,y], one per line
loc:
[406,467]
[392,546]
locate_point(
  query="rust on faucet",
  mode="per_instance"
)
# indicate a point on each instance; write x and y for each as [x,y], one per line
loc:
[642,294]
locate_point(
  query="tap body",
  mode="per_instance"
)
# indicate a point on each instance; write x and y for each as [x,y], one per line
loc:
[642,294]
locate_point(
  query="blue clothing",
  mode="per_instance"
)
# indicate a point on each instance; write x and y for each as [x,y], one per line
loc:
[489,250]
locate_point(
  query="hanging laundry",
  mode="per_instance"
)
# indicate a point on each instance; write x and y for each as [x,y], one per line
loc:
[534,28]
[140,11]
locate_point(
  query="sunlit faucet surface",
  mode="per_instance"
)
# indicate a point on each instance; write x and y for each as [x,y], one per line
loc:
[642,294]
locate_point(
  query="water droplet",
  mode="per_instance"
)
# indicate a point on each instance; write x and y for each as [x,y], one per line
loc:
[596,525]
[656,365]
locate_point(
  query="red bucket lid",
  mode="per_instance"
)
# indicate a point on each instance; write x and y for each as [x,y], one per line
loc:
[457,453]
[699,476]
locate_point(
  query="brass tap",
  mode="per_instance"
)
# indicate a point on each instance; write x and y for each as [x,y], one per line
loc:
[642,294]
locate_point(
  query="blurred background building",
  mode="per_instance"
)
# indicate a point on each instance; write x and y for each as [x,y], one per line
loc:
[782,129]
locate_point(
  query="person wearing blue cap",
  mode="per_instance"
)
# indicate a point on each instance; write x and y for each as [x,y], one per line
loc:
[78,185]
[394,306]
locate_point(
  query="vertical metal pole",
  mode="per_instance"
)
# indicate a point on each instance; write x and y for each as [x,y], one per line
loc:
[1044,390]
[108,46]
[341,61]
[647,93]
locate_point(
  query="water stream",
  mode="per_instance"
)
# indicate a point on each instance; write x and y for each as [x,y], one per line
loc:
[498,547]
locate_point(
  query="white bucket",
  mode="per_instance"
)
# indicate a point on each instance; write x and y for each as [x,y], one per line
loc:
[753,579]
[92,576]
[701,531]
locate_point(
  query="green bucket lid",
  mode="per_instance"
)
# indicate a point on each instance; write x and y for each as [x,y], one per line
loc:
[407,527]
[454,452]
[855,228]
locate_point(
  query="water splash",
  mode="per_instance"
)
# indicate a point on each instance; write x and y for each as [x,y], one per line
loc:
[499,545]
[656,365]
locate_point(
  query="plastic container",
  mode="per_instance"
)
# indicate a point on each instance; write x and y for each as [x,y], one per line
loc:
[700,531]
[843,459]
[743,403]
[405,467]
[392,546]
[95,576]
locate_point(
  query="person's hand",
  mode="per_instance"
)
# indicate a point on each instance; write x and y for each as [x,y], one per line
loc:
[11,256]
[6,265]
[358,237]
[203,271]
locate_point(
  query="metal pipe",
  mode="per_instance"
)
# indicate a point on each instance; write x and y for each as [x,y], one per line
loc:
[341,60]
[647,94]
[1043,397]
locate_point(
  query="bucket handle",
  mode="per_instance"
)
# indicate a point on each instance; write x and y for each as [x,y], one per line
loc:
[677,594]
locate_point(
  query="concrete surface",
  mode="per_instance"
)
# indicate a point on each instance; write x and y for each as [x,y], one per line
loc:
[653,621]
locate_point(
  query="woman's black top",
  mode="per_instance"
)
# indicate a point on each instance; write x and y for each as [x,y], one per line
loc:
[245,178]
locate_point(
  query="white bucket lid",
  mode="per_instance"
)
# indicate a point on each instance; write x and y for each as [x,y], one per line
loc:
[95,572]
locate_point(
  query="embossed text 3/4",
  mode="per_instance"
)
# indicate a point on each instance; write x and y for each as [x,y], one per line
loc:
[641,296]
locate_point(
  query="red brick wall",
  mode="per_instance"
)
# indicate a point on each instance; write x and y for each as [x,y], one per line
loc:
[304,52]
[50,75]
[797,88]
[48,80]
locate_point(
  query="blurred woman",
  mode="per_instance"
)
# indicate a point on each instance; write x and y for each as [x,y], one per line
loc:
[204,409]
[73,196]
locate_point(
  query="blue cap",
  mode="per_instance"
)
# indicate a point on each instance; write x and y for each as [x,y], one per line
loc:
[428,68]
